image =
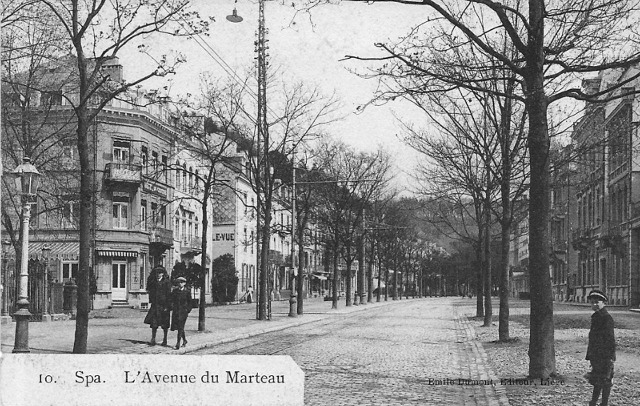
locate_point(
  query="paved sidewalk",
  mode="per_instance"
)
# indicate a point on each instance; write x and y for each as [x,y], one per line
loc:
[122,331]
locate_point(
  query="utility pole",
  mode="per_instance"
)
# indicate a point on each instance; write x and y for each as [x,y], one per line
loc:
[263,174]
[297,276]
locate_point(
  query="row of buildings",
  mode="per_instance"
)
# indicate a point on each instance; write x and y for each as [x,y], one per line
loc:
[148,197]
[595,201]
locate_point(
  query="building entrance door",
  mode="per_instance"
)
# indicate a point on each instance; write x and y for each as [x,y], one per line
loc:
[119,281]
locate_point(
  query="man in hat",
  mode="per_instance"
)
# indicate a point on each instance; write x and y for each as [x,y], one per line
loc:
[601,350]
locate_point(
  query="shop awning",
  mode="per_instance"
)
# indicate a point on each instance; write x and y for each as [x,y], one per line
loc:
[115,253]
[59,250]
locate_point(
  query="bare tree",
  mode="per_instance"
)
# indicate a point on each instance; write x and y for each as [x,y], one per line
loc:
[213,138]
[556,43]
[93,45]
[352,179]
[298,116]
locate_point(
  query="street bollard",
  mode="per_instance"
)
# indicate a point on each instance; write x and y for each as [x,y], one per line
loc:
[293,308]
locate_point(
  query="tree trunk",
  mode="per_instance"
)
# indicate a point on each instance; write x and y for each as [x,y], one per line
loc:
[486,251]
[505,189]
[395,280]
[348,298]
[541,343]
[300,278]
[370,273]
[361,271]
[86,200]
[334,302]
[264,263]
[479,282]
[203,259]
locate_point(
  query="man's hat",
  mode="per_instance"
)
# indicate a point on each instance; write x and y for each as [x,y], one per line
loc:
[181,279]
[159,269]
[598,294]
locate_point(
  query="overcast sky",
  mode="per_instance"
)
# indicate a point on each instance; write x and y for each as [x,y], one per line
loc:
[308,48]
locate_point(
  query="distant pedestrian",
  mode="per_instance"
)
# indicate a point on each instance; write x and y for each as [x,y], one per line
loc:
[181,301]
[601,350]
[249,294]
[159,289]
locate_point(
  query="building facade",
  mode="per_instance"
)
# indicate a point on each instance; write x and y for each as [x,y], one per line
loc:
[608,225]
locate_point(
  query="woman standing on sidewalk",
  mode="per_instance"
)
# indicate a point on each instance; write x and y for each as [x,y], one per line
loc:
[159,288]
[601,350]
[181,300]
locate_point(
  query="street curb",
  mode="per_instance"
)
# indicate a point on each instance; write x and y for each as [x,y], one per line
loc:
[499,395]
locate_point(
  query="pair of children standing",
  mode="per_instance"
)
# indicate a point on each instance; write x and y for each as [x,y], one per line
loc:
[163,301]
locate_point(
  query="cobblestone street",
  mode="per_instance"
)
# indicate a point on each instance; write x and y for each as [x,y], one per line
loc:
[413,353]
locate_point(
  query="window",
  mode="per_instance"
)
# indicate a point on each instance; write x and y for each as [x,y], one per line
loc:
[69,148]
[145,159]
[143,215]
[184,177]
[70,213]
[121,151]
[245,240]
[164,167]
[178,176]
[69,270]
[154,214]
[53,98]
[162,218]
[120,212]
[154,162]
[143,269]
[252,241]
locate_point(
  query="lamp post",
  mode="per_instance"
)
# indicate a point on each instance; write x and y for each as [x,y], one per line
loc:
[27,177]
[46,251]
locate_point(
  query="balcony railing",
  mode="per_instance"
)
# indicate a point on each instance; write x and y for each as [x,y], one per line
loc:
[191,243]
[161,235]
[123,173]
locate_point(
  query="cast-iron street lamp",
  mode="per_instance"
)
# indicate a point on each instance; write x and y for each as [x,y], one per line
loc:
[27,177]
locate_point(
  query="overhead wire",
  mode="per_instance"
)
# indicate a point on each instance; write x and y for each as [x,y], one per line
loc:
[209,50]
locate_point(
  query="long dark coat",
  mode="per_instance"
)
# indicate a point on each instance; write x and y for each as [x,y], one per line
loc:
[181,301]
[159,313]
[601,350]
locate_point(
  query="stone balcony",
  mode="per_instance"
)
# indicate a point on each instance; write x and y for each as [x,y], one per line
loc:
[123,173]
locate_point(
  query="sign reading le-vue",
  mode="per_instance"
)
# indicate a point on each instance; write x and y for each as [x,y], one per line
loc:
[223,237]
